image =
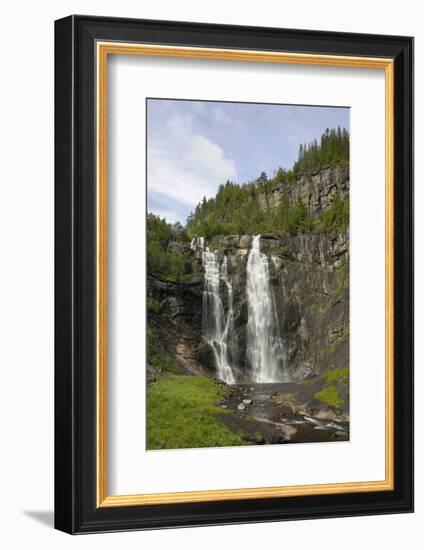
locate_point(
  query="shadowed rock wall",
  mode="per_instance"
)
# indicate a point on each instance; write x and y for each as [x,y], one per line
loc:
[310,279]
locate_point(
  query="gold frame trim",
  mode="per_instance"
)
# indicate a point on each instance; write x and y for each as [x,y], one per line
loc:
[119,48]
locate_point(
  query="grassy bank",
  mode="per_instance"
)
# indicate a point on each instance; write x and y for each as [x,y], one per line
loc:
[183,412]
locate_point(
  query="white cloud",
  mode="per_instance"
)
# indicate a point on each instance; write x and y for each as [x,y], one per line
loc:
[221,116]
[184,165]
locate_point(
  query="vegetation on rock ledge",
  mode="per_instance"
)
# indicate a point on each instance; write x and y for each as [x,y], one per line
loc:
[239,209]
[162,260]
[330,396]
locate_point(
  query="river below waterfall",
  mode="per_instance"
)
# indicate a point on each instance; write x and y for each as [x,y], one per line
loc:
[270,413]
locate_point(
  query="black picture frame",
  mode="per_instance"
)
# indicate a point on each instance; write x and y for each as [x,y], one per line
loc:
[76,510]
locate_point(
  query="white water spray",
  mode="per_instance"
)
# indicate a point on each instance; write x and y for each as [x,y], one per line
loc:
[197,242]
[265,353]
[217,324]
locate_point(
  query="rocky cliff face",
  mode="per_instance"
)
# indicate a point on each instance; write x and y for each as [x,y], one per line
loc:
[310,280]
[316,191]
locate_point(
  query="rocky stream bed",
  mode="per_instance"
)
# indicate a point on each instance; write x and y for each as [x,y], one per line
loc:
[278,413]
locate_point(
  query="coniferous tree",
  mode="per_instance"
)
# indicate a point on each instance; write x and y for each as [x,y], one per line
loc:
[238,209]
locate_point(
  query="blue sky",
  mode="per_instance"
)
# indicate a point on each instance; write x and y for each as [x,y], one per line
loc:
[194,146]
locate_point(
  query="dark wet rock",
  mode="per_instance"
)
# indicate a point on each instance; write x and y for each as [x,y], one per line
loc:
[180,300]
[278,414]
[245,242]
[309,274]
[310,278]
[325,413]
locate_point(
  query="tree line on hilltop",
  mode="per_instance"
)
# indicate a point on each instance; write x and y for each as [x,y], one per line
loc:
[241,208]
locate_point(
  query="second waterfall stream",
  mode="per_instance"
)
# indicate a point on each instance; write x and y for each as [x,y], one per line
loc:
[218,323]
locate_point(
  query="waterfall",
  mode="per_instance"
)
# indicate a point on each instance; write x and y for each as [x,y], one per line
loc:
[265,353]
[264,346]
[197,242]
[217,324]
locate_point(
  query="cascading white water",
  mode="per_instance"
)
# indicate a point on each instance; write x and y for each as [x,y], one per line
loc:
[197,242]
[218,325]
[265,353]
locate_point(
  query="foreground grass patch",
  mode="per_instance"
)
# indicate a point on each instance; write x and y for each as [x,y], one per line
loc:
[182,413]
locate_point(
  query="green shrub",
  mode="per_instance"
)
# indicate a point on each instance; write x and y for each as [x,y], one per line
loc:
[330,396]
[335,218]
[298,220]
[161,261]
[337,375]
[163,364]
[165,263]
[332,149]
[153,305]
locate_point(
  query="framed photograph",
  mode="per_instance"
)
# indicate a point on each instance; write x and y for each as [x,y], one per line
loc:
[234,274]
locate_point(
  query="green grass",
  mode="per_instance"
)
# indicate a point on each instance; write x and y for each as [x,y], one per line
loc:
[330,396]
[337,375]
[182,412]
[163,364]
